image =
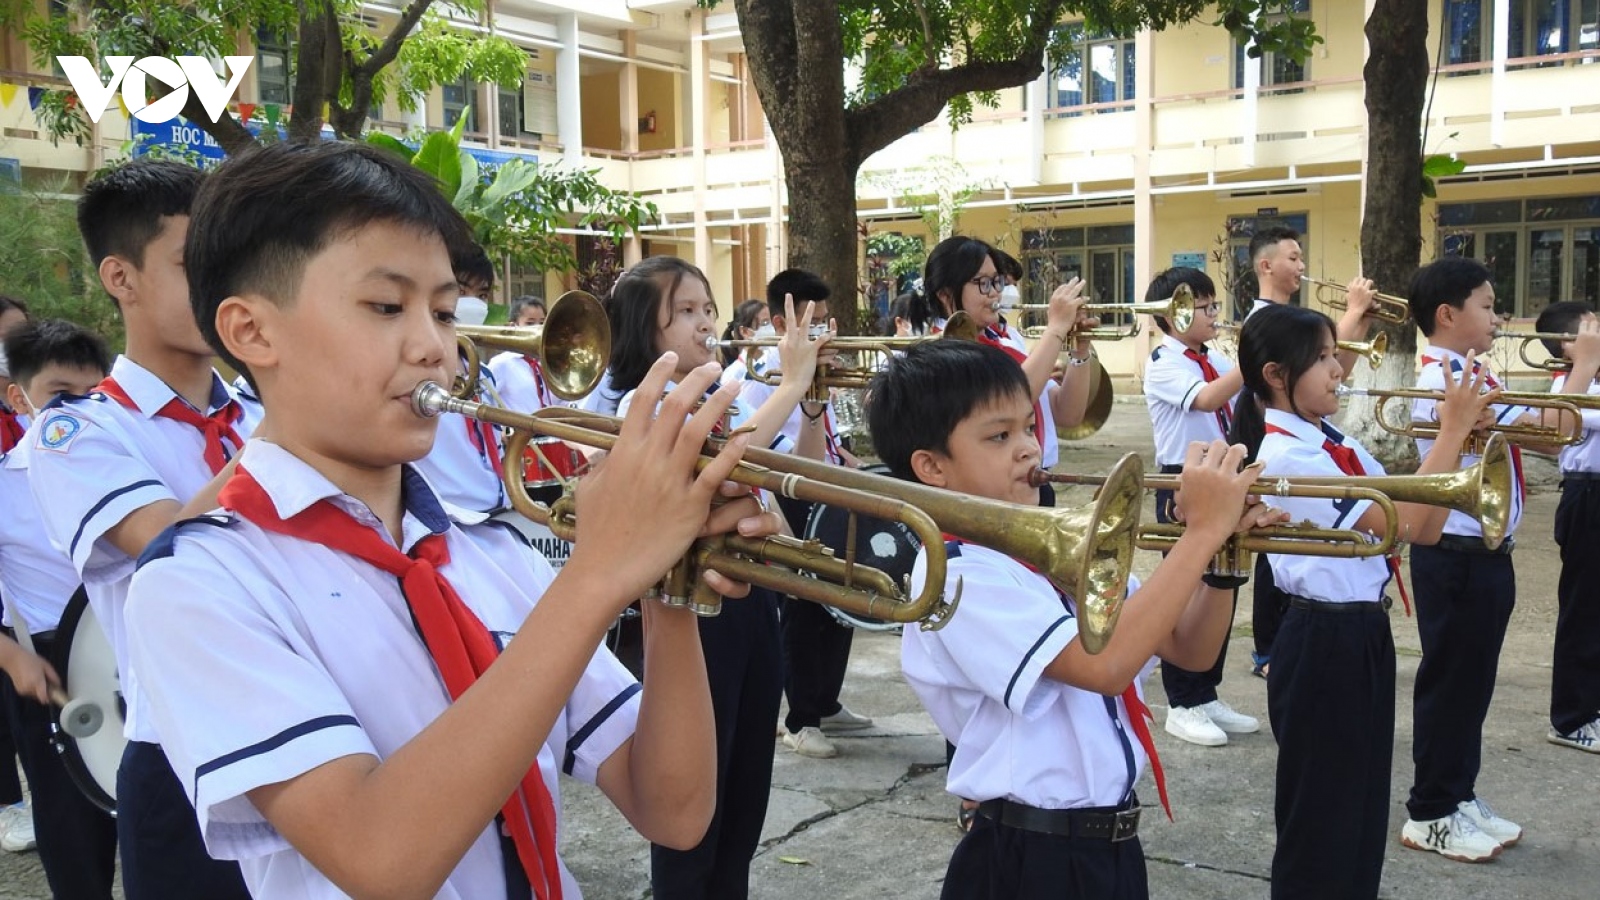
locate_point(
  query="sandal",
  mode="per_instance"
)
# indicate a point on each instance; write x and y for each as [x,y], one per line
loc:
[965,815]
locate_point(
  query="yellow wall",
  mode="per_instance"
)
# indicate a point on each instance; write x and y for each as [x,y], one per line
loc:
[602,111]
[658,91]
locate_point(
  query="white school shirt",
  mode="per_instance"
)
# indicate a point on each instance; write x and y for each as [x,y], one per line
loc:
[1585,455]
[602,399]
[1172,381]
[519,387]
[1328,579]
[462,470]
[295,654]
[92,462]
[755,393]
[1258,306]
[38,578]
[1431,378]
[1019,735]
[1050,451]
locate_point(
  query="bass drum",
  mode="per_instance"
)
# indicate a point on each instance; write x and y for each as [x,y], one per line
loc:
[88,732]
[882,544]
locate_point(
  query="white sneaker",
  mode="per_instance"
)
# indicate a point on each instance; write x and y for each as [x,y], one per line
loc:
[1190,723]
[810,741]
[1586,738]
[1483,815]
[1454,837]
[1228,719]
[16,828]
[845,720]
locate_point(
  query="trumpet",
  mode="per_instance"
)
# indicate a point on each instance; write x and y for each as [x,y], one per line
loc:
[1385,308]
[856,376]
[573,346]
[1564,404]
[1177,309]
[1552,364]
[1482,491]
[1372,350]
[1086,552]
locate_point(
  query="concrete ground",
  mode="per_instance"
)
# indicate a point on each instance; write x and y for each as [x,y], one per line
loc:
[876,821]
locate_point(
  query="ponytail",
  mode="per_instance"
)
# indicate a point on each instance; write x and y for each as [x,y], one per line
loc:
[1249,423]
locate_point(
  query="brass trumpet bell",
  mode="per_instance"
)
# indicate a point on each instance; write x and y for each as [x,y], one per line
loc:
[573,345]
[1372,350]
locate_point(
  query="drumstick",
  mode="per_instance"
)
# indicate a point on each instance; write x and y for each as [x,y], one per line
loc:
[25,639]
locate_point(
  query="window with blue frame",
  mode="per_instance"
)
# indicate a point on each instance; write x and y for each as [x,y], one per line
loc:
[1276,68]
[1539,250]
[1534,28]
[1095,68]
[462,96]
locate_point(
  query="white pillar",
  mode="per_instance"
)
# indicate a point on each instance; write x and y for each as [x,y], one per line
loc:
[1038,99]
[1144,216]
[1252,96]
[1497,79]
[699,85]
[569,103]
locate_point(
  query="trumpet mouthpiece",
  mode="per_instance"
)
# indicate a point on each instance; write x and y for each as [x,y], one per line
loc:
[428,399]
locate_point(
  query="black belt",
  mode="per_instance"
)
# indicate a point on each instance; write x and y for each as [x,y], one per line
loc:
[1580,476]
[1457,543]
[1076,823]
[1354,606]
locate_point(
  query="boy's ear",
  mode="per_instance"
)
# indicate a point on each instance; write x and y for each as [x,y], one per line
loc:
[117,276]
[15,398]
[928,467]
[243,325]
[1444,316]
[780,324]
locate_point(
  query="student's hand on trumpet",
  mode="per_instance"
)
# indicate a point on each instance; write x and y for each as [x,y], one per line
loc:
[1360,296]
[798,353]
[1212,498]
[1066,314]
[1466,407]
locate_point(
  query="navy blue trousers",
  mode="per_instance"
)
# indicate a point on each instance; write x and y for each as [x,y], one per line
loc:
[163,856]
[744,665]
[998,862]
[1575,657]
[1464,603]
[1183,687]
[1330,696]
[816,647]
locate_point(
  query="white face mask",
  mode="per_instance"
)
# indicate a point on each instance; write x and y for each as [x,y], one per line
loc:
[471,311]
[1010,297]
[5,365]
[766,331]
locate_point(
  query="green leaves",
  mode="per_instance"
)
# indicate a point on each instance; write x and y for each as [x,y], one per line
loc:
[1439,165]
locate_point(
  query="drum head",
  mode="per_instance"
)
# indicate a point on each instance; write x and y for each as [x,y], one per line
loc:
[881,544]
[95,713]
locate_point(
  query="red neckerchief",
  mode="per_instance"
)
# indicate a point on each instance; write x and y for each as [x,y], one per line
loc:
[214,427]
[1224,413]
[992,336]
[1138,713]
[1349,462]
[11,429]
[1489,380]
[460,645]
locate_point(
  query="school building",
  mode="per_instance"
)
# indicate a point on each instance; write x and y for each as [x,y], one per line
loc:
[1129,155]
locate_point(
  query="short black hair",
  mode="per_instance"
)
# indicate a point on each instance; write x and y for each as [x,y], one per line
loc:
[523,304]
[263,214]
[952,263]
[802,285]
[120,212]
[1006,264]
[1269,237]
[1444,282]
[1560,318]
[918,399]
[7,304]
[1167,283]
[32,347]
[471,263]
[633,310]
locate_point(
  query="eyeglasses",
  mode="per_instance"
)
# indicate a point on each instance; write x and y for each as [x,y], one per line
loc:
[1211,309]
[991,285]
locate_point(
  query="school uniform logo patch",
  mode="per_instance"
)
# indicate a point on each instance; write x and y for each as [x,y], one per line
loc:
[59,431]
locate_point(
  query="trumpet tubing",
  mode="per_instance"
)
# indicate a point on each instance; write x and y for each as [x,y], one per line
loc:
[843,375]
[1386,307]
[1088,553]
[1569,407]
[1552,364]
[1177,309]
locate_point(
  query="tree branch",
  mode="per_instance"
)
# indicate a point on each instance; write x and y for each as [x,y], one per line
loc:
[890,116]
[390,48]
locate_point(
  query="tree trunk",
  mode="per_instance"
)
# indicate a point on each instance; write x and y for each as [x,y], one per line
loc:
[1396,76]
[821,239]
